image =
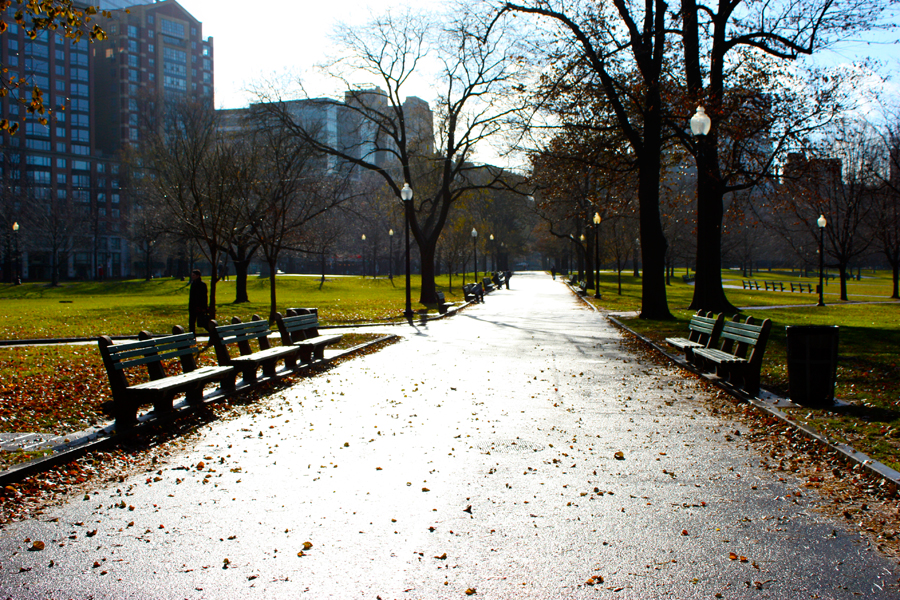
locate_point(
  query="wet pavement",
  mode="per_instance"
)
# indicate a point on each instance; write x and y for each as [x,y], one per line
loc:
[515,450]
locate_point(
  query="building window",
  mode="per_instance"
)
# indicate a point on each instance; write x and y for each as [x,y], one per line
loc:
[150,34]
[61,194]
[82,150]
[61,179]
[133,60]
[151,76]
[193,31]
[134,75]
[172,28]
[38,144]
[132,31]
[61,132]
[60,55]
[207,64]
[40,161]
[60,85]
[150,19]
[60,146]
[150,48]
[81,135]
[206,50]
[60,70]
[81,165]
[60,163]
[132,46]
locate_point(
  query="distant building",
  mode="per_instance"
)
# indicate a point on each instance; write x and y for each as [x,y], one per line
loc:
[355,126]
[154,51]
[60,181]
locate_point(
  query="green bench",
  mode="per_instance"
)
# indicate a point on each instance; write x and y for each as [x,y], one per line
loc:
[731,361]
[247,361]
[151,352]
[704,331]
[442,304]
[299,329]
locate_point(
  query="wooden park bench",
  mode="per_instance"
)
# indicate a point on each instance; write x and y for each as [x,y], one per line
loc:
[582,288]
[442,304]
[241,334]
[801,287]
[299,329]
[704,330]
[731,361]
[161,390]
[687,278]
[473,292]
[488,286]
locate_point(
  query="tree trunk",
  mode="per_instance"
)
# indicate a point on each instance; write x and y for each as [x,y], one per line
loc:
[708,292]
[895,266]
[653,242]
[843,272]
[426,255]
[148,275]
[54,266]
[240,280]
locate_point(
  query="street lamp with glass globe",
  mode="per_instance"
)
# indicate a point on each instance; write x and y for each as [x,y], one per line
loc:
[475,253]
[406,195]
[391,253]
[821,222]
[18,258]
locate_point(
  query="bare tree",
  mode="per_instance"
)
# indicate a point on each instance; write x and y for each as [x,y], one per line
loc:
[287,191]
[396,139]
[836,182]
[195,173]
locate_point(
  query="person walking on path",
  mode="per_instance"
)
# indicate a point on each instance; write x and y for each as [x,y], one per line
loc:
[197,302]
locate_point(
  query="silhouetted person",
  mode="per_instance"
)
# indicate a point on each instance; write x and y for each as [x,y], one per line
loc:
[197,302]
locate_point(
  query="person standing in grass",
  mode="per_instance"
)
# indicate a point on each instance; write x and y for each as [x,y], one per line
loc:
[197,302]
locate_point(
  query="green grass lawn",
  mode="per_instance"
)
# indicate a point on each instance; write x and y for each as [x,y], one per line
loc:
[60,389]
[869,359]
[88,309]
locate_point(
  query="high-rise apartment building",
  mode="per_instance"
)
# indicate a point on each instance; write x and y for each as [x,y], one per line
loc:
[153,52]
[59,181]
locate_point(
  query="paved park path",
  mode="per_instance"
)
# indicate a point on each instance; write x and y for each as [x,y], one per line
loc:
[479,455]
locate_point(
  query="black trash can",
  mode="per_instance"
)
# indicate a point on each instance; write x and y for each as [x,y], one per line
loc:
[812,352]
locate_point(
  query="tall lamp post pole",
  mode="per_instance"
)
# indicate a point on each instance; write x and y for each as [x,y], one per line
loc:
[363,254]
[597,254]
[18,258]
[700,126]
[406,195]
[475,253]
[391,259]
[821,222]
[493,254]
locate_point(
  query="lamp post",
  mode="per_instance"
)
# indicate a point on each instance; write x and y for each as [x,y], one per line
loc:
[597,254]
[406,195]
[700,126]
[475,253]
[494,254]
[363,255]
[18,258]
[391,259]
[821,222]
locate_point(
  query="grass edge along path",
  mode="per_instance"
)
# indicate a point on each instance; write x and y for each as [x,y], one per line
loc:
[868,375]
